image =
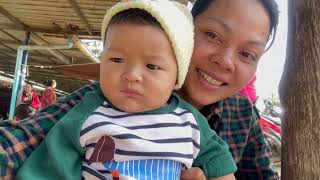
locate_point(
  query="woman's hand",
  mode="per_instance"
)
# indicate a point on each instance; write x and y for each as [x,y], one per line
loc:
[195,173]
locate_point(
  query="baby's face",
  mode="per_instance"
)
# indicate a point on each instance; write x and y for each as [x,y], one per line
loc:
[138,70]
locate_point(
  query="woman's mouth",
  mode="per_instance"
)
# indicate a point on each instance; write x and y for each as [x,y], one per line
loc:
[209,79]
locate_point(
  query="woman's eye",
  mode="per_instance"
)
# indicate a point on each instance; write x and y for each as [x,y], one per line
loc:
[153,67]
[213,35]
[249,55]
[116,60]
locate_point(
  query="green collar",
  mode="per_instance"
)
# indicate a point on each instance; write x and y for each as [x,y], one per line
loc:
[171,105]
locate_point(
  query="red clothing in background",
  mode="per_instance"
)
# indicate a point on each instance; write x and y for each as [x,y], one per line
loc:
[33,100]
[48,97]
[250,90]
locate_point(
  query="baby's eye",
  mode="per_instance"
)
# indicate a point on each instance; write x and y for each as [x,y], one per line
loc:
[153,67]
[116,60]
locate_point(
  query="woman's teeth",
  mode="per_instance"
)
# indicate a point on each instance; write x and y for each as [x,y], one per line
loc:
[209,79]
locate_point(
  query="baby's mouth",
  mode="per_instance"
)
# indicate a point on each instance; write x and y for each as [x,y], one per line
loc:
[209,79]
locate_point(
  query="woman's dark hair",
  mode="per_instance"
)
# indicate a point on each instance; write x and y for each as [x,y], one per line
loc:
[49,82]
[270,5]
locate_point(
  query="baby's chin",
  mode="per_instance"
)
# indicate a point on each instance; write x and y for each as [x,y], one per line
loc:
[136,109]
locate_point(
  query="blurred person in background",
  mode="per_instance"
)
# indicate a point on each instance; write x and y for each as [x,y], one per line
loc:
[22,111]
[31,98]
[49,96]
[249,90]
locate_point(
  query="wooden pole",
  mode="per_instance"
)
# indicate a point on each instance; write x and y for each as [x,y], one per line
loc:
[300,93]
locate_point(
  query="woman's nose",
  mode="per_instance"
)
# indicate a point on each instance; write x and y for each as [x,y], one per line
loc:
[225,59]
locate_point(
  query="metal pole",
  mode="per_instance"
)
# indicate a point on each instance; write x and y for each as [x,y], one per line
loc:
[17,75]
[18,69]
[23,69]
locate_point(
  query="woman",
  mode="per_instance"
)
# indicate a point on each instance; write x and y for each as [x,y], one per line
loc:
[48,95]
[229,40]
[31,98]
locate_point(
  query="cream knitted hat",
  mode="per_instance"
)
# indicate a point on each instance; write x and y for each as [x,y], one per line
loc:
[175,19]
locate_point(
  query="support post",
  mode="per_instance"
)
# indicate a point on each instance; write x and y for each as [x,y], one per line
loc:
[17,74]
[23,69]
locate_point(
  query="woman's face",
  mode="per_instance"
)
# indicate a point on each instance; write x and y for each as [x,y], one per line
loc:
[28,88]
[230,37]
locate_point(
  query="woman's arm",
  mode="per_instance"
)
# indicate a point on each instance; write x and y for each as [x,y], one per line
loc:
[237,124]
[226,177]
[197,174]
[256,160]
[19,138]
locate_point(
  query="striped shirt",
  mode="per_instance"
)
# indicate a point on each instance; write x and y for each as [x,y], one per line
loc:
[140,141]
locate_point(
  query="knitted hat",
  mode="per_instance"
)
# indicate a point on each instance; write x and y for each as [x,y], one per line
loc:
[174,18]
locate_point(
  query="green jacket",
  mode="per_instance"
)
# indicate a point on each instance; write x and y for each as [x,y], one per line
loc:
[60,155]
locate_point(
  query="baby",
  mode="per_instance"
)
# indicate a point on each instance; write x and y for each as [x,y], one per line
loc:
[135,126]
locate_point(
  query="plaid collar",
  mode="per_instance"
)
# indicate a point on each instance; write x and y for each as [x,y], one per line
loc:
[213,111]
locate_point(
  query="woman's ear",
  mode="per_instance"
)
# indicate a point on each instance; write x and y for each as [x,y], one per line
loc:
[176,87]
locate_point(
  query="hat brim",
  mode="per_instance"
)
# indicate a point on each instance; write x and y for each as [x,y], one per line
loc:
[90,71]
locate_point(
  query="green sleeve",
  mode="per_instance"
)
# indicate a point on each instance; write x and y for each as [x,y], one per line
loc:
[214,157]
[18,139]
[60,155]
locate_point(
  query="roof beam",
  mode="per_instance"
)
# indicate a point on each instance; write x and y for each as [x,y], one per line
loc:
[13,19]
[80,32]
[20,43]
[35,38]
[87,37]
[7,41]
[31,54]
[6,54]
[30,29]
[10,35]
[8,47]
[12,61]
[77,9]
[39,41]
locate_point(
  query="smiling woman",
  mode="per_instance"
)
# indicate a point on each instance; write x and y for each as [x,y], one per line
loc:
[228,45]
[229,41]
